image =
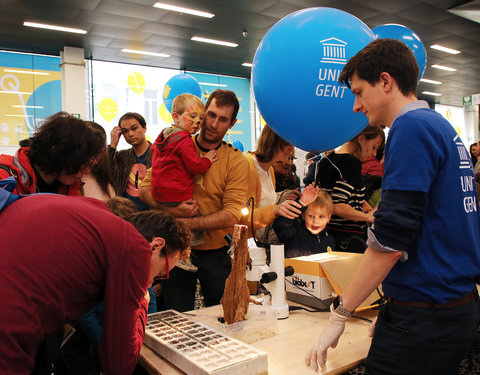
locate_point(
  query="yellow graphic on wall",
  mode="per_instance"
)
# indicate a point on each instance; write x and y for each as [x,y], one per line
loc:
[166,91]
[136,82]
[27,97]
[164,114]
[108,109]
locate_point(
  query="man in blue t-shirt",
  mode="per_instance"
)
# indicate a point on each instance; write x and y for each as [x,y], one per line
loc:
[130,166]
[425,242]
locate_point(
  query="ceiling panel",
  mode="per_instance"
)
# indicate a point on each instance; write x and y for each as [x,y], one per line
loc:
[116,24]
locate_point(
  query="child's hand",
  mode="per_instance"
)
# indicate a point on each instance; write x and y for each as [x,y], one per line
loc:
[310,193]
[212,156]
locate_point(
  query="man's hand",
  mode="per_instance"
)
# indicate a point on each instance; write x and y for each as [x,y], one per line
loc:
[317,357]
[186,208]
[115,136]
[289,209]
[371,328]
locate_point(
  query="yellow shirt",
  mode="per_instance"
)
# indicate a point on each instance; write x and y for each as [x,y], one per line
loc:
[261,216]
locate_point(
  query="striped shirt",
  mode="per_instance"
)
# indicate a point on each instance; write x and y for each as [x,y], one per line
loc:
[340,175]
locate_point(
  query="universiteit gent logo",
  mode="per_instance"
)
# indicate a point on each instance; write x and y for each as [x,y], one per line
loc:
[333,53]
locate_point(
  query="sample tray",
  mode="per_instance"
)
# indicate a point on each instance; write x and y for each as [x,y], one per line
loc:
[198,349]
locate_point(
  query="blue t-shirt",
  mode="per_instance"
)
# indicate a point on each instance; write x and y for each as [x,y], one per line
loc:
[424,153]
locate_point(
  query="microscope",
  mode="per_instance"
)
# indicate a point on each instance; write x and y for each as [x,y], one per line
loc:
[272,275]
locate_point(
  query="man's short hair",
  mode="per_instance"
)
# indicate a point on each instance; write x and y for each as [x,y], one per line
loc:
[323,200]
[121,206]
[183,101]
[384,55]
[156,223]
[64,144]
[268,144]
[223,98]
[136,116]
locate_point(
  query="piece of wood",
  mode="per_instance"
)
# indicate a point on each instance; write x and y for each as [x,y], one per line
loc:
[236,295]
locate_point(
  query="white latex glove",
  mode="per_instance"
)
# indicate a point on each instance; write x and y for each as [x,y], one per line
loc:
[371,328]
[317,357]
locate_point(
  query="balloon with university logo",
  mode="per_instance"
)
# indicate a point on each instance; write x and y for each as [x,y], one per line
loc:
[407,36]
[295,77]
[180,84]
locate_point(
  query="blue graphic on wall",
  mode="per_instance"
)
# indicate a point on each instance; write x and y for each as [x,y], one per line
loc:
[45,101]
[241,87]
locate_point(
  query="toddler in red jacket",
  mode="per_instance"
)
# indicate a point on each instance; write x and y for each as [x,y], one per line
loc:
[175,161]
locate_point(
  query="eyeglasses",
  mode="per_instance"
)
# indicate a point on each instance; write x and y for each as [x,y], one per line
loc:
[167,274]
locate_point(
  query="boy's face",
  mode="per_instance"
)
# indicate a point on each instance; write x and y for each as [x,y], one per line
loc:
[316,218]
[191,119]
[371,101]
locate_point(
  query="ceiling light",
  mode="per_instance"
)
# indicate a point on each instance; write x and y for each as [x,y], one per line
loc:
[431,93]
[431,81]
[54,27]
[145,52]
[183,10]
[28,106]
[213,41]
[444,68]
[19,115]
[212,84]
[248,65]
[25,72]
[445,49]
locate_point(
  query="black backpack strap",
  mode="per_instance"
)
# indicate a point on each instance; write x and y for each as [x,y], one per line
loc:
[10,171]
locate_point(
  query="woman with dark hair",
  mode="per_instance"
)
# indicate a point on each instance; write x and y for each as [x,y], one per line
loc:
[340,174]
[61,152]
[271,149]
[97,183]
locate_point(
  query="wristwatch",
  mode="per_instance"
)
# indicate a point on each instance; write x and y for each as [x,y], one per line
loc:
[339,309]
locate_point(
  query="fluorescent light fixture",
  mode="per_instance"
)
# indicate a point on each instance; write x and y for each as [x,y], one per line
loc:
[145,52]
[444,68]
[25,72]
[183,10]
[445,49]
[212,84]
[248,65]
[28,106]
[16,92]
[431,93]
[18,115]
[54,27]
[431,81]
[213,41]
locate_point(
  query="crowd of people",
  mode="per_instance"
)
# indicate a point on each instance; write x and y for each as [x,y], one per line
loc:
[101,252]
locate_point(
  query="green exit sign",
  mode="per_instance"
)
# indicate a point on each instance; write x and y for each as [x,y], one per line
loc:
[467,100]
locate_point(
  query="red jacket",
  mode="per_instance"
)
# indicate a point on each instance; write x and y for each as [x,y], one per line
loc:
[174,166]
[19,166]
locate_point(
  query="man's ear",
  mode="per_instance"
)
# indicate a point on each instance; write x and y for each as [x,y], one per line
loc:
[387,81]
[157,245]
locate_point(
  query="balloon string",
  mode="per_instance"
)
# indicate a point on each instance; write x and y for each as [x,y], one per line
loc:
[331,162]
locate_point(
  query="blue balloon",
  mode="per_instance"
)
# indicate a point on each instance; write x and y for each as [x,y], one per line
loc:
[180,84]
[295,77]
[238,144]
[407,36]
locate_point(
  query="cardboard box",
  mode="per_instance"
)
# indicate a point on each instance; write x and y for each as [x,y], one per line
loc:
[318,278]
